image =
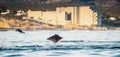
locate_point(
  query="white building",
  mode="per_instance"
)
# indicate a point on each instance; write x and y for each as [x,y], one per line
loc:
[73,15]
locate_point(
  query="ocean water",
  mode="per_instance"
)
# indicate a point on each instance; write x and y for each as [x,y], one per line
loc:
[75,43]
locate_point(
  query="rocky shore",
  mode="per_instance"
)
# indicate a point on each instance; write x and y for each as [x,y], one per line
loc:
[27,24]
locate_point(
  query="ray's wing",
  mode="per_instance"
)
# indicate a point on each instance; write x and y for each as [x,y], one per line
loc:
[19,30]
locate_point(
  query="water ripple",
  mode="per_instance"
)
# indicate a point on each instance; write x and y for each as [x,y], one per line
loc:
[59,47]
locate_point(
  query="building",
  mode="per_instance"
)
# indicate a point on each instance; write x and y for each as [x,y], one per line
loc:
[74,16]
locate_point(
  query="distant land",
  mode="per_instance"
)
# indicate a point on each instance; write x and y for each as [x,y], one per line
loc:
[110,10]
[107,7]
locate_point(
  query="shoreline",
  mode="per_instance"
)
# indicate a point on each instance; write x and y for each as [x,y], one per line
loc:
[35,29]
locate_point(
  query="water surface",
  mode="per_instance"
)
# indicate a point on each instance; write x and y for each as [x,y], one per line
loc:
[75,43]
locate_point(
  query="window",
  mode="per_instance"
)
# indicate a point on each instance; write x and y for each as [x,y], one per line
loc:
[68,16]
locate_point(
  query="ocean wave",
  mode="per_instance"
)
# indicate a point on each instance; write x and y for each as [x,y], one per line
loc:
[67,45]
